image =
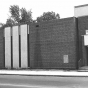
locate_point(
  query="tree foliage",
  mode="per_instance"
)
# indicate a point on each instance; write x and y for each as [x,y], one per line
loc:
[10,22]
[48,16]
[18,15]
[15,13]
[26,16]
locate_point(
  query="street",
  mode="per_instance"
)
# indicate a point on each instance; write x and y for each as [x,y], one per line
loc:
[16,81]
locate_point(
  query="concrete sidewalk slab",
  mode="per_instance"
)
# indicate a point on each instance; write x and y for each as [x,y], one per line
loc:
[44,73]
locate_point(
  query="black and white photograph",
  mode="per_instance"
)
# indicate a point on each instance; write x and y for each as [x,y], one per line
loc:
[43,43]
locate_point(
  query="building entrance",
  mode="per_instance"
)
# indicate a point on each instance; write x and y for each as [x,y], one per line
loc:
[87,55]
[85,50]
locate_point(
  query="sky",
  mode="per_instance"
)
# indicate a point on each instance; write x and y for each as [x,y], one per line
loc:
[65,8]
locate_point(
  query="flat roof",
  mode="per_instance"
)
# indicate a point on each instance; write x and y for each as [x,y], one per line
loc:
[81,5]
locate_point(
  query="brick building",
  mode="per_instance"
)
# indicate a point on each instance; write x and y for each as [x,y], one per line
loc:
[55,44]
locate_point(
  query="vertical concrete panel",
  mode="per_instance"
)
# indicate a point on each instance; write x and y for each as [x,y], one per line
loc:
[15,40]
[24,57]
[28,29]
[28,46]
[8,47]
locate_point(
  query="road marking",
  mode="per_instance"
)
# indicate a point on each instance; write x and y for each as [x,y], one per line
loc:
[26,86]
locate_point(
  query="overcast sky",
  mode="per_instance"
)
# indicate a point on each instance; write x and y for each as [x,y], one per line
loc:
[64,7]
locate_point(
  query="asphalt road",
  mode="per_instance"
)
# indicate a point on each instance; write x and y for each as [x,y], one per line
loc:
[15,81]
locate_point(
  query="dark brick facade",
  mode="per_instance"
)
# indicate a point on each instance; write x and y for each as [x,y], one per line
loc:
[2,60]
[82,27]
[50,41]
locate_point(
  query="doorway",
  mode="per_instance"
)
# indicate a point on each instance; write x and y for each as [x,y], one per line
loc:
[87,55]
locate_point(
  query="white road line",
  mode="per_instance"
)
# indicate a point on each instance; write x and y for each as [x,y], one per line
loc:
[26,86]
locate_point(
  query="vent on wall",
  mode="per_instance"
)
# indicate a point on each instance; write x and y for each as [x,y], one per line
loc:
[37,25]
[65,59]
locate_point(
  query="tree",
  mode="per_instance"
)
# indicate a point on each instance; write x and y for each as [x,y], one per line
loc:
[15,13]
[10,22]
[18,15]
[26,16]
[48,16]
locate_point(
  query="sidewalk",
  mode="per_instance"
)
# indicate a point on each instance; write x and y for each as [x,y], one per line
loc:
[44,73]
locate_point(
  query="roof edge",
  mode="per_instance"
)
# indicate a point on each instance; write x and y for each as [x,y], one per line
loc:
[81,6]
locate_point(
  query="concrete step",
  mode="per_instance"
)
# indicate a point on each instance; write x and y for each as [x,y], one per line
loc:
[83,68]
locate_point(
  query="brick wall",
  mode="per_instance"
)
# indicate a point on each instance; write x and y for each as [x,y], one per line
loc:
[50,41]
[1,48]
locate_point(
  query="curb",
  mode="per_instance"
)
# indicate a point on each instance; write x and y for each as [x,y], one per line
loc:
[46,73]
